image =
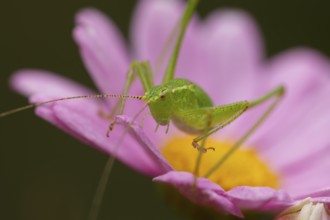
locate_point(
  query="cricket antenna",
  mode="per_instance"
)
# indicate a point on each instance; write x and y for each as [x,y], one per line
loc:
[97,96]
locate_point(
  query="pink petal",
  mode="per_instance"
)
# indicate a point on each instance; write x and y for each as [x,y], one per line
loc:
[312,171]
[318,199]
[145,143]
[325,200]
[80,117]
[207,193]
[259,198]
[102,49]
[325,192]
[304,75]
[153,23]
[233,52]
[81,120]
[30,82]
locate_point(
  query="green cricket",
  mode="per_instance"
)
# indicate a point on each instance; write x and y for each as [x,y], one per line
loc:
[179,101]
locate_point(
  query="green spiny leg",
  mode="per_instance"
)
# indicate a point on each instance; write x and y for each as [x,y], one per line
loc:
[222,116]
[202,148]
[169,74]
[208,131]
[278,94]
[143,71]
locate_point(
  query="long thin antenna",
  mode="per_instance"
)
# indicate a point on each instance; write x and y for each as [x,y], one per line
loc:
[3,114]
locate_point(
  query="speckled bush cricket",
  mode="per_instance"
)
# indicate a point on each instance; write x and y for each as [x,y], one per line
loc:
[181,101]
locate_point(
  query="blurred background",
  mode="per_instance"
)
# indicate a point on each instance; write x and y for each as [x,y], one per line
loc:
[47,174]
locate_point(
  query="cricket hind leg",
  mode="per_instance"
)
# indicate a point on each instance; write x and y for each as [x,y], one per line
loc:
[137,69]
[201,149]
[278,93]
[217,127]
[210,130]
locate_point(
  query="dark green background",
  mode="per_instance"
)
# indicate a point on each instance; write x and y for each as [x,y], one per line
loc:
[46,174]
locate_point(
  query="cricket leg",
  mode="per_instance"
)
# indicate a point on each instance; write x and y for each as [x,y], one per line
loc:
[137,69]
[217,127]
[278,94]
[169,74]
[143,71]
[202,149]
[198,163]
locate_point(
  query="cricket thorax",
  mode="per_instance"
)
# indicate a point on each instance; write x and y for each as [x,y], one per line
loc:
[170,100]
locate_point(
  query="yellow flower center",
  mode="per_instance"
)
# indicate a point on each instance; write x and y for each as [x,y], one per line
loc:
[243,168]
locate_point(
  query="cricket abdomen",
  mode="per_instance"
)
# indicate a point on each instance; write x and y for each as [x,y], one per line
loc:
[185,127]
[193,110]
[189,97]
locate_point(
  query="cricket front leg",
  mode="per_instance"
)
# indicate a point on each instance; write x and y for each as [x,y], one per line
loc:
[141,70]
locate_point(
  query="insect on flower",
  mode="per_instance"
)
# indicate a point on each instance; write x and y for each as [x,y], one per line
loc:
[177,100]
[181,102]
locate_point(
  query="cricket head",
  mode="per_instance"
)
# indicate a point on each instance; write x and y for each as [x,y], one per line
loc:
[160,101]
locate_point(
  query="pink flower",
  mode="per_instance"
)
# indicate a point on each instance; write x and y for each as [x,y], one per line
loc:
[224,55]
